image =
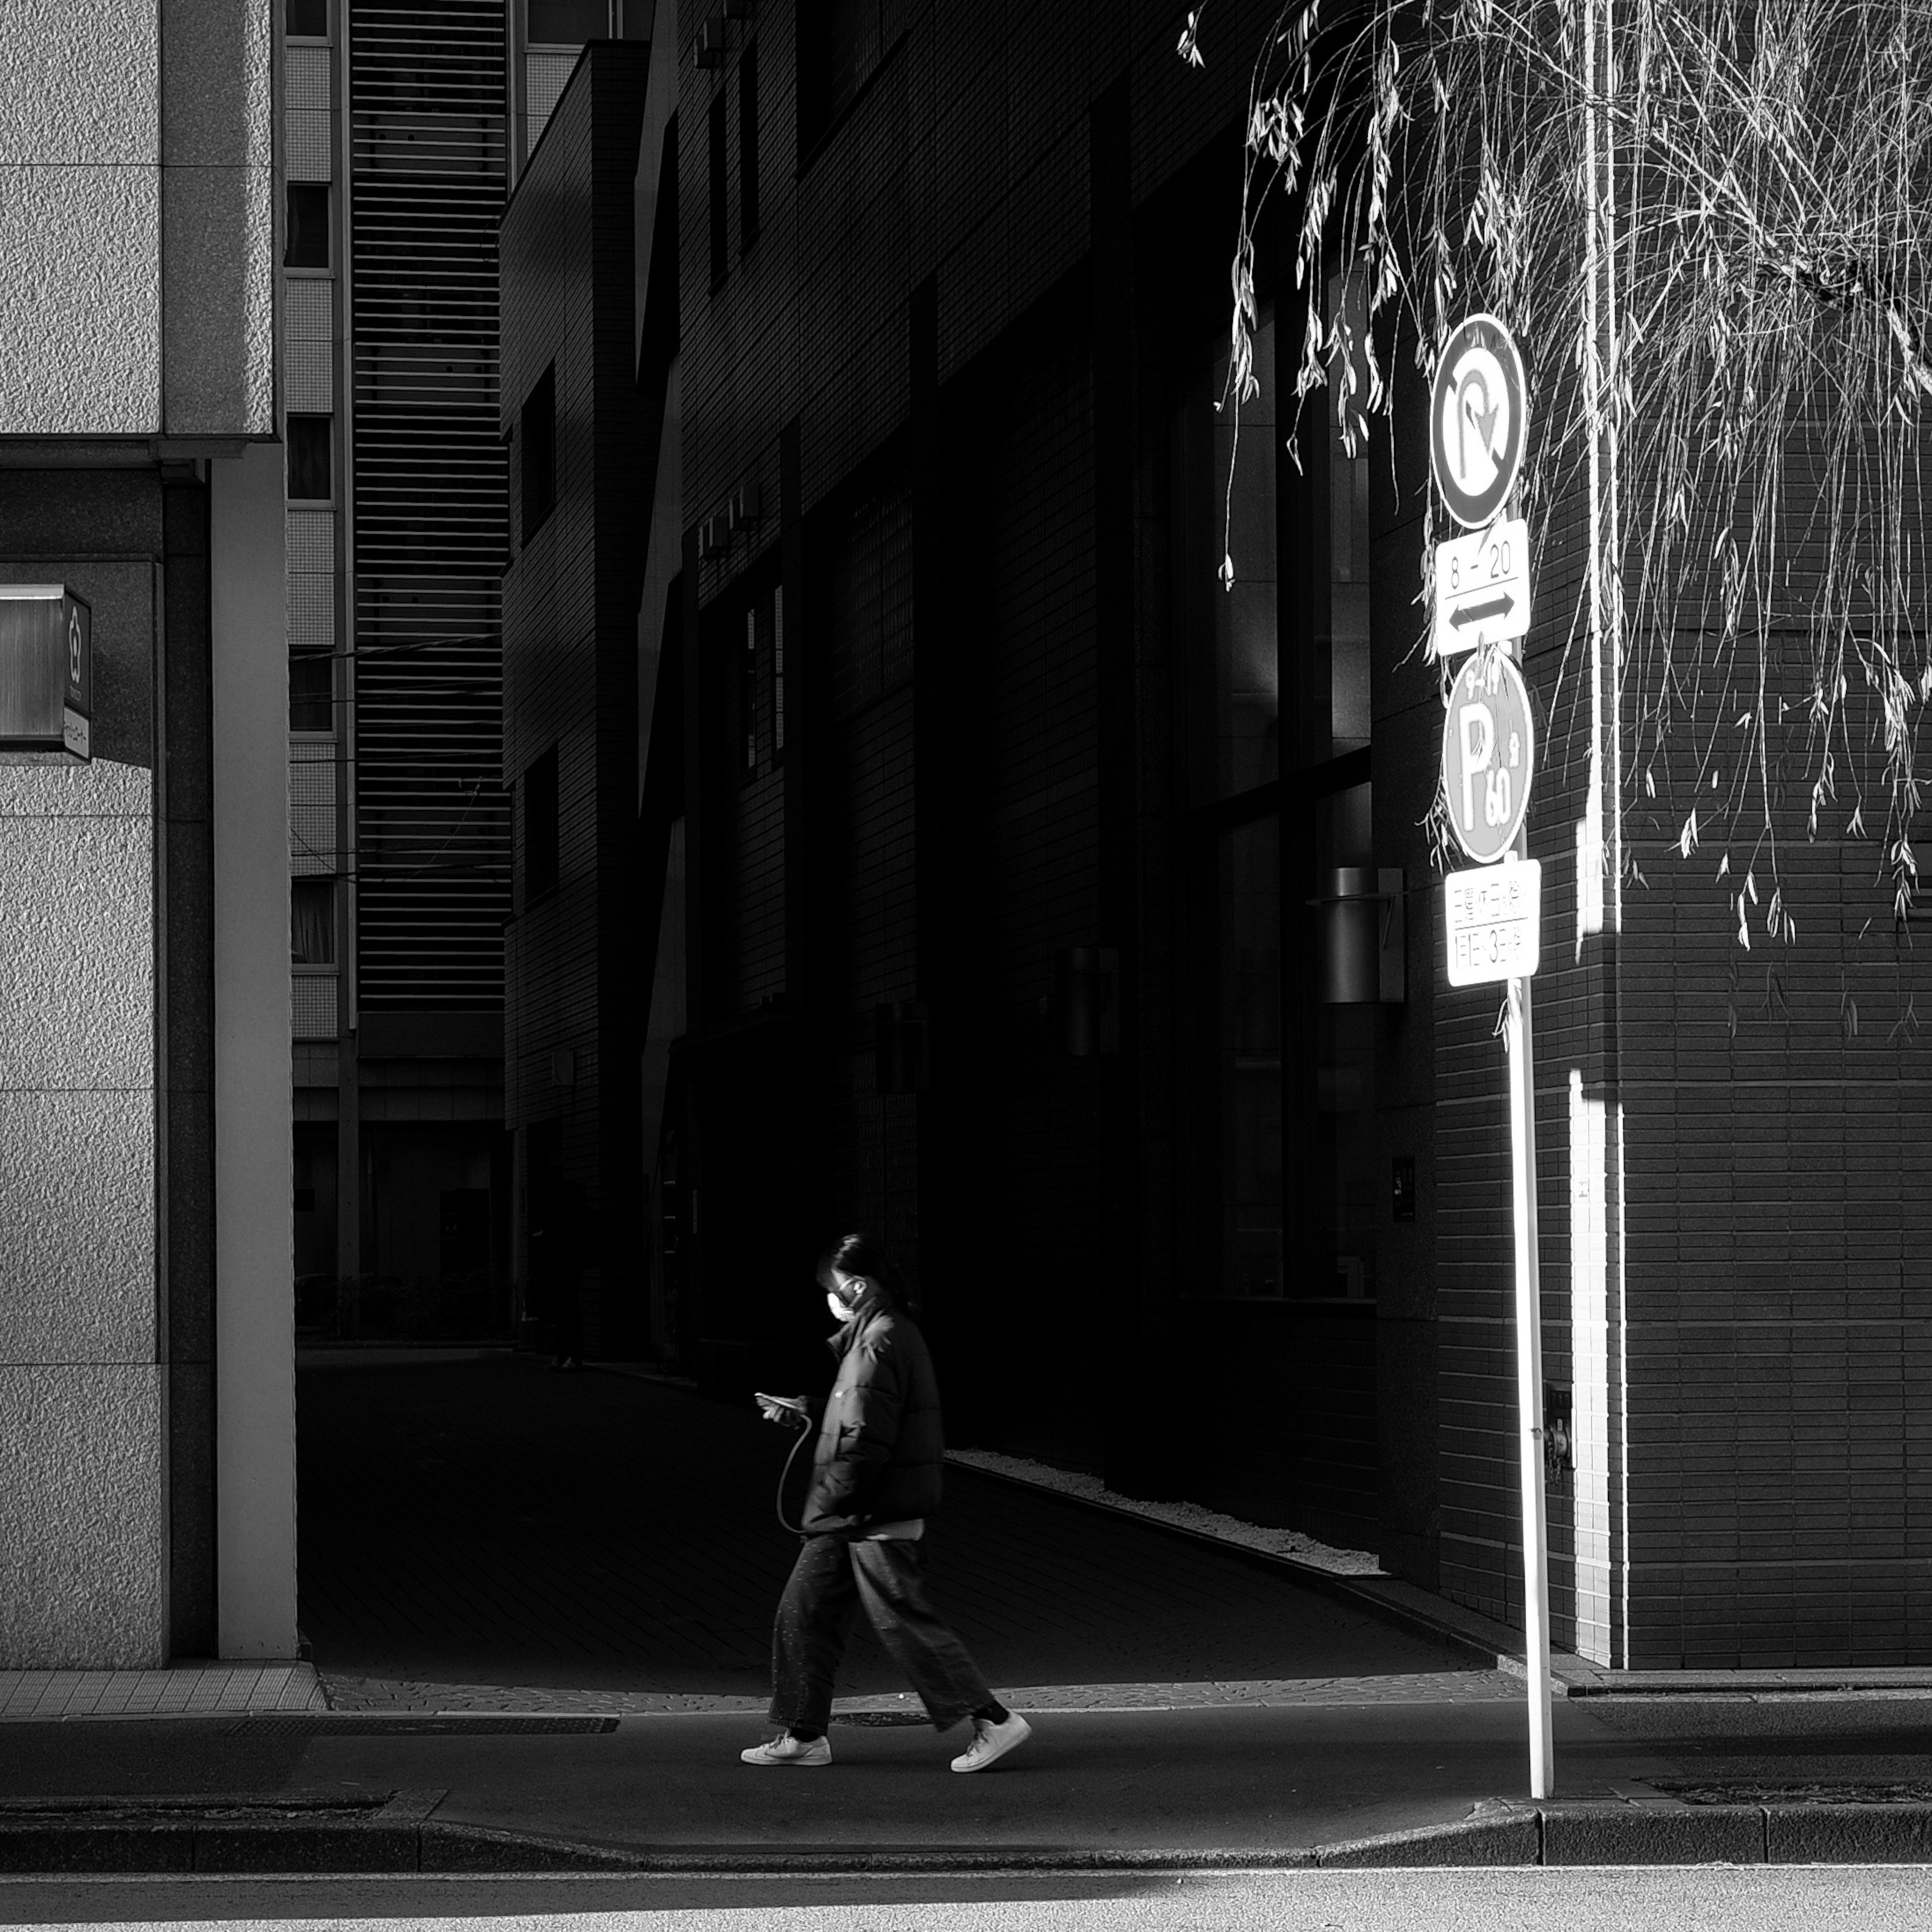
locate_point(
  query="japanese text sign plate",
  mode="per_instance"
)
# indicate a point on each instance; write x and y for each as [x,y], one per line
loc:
[1492,920]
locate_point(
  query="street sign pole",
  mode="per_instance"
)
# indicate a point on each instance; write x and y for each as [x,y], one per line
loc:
[1521,1043]
[1478,412]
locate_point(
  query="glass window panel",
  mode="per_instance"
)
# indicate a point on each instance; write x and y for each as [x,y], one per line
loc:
[1247,671]
[1349,511]
[308,439]
[1343,1198]
[311,691]
[568,22]
[1249,1007]
[305,234]
[312,923]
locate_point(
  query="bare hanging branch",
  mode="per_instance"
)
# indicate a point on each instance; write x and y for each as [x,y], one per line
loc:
[1772,195]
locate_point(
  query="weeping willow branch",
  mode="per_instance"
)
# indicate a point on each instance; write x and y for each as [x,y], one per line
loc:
[1766,168]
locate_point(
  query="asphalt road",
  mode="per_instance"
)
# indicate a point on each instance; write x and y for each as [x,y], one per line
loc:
[1708,1899]
[1259,1781]
[488,1522]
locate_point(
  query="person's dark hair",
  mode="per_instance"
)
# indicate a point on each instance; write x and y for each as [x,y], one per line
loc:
[861,1254]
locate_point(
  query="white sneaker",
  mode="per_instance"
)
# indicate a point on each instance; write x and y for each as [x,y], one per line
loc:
[991,1741]
[786,1751]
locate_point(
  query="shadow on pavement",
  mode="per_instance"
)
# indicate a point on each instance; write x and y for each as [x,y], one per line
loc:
[490,1522]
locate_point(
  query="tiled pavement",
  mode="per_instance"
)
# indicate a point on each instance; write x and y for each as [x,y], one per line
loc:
[489,1529]
[187,1691]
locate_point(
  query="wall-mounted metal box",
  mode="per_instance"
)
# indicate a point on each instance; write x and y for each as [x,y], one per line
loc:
[46,669]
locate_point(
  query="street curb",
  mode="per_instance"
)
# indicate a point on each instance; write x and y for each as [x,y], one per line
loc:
[402,1835]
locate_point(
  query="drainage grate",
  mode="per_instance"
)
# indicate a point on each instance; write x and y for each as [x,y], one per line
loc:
[404,1724]
[879,1720]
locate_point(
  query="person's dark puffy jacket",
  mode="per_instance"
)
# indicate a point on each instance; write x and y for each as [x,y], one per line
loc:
[881,1449]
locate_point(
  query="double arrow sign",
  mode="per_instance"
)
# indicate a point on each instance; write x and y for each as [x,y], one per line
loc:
[1482,588]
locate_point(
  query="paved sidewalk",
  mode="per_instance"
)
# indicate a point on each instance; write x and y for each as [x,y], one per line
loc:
[1425,1779]
[187,1690]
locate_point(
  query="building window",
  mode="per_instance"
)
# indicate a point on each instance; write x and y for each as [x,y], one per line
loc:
[312,922]
[867,558]
[1233,666]
[1247,1007]
[308,459]
[536,435]
[1349,513]
[307,19]
[748,148]
[777,671]
[720,239]
[760,686]
[541,858]
[312,692]
[305,237]
[841,44]
[567,23]
[1339,1177]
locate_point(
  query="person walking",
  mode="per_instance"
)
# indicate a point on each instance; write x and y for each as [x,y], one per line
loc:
[875,1478]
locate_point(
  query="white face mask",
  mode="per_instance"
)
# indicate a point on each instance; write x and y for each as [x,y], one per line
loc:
[844,1301]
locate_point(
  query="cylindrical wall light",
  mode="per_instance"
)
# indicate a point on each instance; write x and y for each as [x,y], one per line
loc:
[1361,940]
[1087,1000]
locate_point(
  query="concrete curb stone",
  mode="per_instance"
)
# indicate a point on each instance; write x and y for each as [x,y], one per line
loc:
[1620,1834]
[402,1835]
[1848,1834]
[208,1835]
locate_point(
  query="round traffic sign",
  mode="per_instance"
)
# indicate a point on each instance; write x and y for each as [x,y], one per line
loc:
[1489,754]
[1477,413]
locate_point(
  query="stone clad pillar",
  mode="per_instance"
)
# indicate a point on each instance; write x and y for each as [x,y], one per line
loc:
[83,1546]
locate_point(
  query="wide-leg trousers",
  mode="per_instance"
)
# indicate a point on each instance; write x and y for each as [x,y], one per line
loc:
[832,1579]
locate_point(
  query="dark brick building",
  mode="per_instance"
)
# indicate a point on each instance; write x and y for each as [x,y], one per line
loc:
[994,803]
[1012,890]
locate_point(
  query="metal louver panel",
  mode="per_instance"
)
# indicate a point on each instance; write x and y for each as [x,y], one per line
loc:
[431,502]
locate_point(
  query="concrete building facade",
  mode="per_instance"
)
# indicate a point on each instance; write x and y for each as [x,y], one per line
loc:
[147,1501]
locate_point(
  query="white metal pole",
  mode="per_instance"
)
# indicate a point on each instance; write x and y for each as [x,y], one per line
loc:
[1529,1387]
